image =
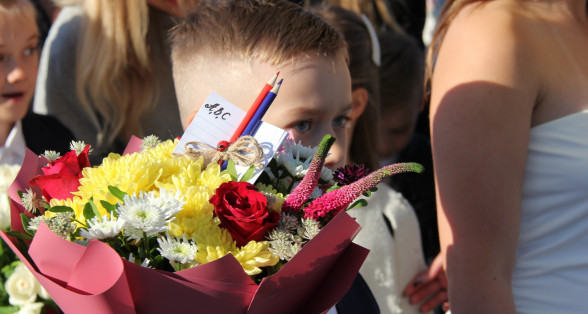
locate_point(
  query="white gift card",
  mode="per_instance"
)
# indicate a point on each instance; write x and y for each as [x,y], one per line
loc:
[218,119]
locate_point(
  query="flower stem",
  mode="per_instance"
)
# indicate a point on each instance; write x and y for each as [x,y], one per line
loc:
[145,245]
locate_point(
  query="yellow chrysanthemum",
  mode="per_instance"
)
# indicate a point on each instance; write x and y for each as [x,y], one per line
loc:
[156,168]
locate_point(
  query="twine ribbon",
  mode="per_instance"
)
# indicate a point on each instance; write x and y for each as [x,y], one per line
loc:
[245,151]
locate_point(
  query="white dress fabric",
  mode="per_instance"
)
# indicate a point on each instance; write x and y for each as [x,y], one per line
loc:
[394,260]
[551,269]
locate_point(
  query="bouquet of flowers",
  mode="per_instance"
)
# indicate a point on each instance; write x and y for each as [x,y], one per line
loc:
[150,231]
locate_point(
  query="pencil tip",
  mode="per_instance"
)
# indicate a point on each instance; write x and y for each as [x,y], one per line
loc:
[280,82]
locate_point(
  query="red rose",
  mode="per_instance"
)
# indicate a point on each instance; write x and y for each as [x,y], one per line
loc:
[243,211]
[62,176]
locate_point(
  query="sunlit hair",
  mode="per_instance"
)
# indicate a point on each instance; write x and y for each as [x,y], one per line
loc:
[448,14]
[269,31]
[364,74]
[114,81]
[22,10]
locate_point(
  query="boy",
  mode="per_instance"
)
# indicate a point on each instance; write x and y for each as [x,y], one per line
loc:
[234,47]
[235,51]
[19,59]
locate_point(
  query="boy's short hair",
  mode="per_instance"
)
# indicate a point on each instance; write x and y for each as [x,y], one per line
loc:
[269,31]
[18,9]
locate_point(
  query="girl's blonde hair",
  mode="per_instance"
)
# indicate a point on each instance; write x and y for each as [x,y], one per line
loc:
[114,81]
[19,9]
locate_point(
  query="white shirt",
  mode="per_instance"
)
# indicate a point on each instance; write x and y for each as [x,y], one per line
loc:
[14,149]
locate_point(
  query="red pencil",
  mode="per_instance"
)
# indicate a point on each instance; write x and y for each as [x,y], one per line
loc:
[268,86]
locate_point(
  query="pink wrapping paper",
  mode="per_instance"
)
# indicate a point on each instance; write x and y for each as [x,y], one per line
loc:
[95,279]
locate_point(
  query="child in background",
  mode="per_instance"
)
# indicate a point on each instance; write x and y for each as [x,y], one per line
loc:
[105,72]
[390,226]
[234,47]
[401,92]
[19,59]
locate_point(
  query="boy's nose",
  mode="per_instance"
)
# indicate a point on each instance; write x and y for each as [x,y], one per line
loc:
[337,156]
[16,73]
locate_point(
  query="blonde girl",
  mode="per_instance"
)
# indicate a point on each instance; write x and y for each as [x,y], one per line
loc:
[105,72]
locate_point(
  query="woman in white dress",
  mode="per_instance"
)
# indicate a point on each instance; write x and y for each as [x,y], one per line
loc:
[509,123]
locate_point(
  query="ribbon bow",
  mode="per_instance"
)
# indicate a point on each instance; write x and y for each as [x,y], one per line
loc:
[245,152]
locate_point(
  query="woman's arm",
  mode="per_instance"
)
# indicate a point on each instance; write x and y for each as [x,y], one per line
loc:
[482,101]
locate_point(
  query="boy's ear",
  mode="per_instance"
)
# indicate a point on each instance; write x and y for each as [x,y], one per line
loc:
[191,117]
[359,99]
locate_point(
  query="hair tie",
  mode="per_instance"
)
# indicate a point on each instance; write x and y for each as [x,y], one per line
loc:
[376,54]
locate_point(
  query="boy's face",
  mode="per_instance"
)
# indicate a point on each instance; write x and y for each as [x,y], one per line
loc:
[314,99]
[18,66]
[396,128]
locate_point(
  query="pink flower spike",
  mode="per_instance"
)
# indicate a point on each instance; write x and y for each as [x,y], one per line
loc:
[300,194]
[338,200]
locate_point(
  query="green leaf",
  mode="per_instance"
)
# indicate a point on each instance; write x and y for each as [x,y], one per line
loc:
[358,203]
[109,207]
[20,194]
[60,209]
[248,174]
[117,192]
[8,309]
[333,188]
[26,220]
[19,235]
[232,170]
[367,193]
[90,210]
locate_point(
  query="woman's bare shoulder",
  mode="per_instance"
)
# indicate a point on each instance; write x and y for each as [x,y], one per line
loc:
[488,41]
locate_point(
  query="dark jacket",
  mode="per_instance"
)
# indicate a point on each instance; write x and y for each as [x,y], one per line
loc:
[43,133]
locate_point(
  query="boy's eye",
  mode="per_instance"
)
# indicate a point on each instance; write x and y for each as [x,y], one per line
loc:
[1,57]
[30,51]
[341,121]
[302,126]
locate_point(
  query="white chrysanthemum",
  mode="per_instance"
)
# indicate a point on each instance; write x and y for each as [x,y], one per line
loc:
[295,167]
[298,151]
[147,213]
[21,286]
[28,201]
[35,222]
[181,251]
[78,146]
[102,228]
[150,141]
[51,155]
[166,201]
[296,160]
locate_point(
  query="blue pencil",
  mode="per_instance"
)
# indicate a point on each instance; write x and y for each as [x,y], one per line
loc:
[256,119]
[265,104]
